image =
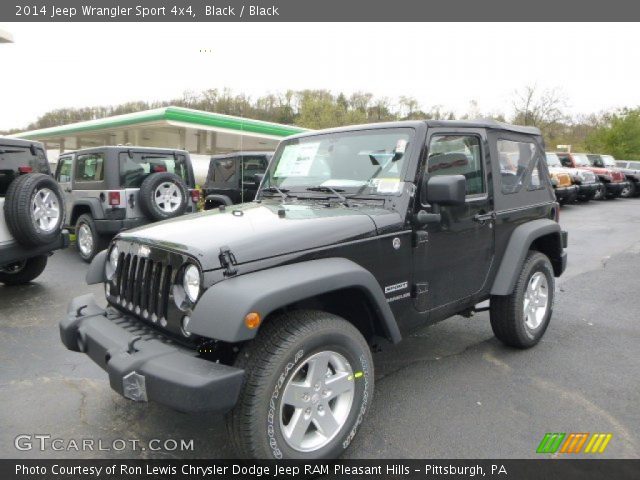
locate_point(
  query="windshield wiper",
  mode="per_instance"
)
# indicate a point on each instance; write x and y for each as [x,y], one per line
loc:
[325,188]
[280,191]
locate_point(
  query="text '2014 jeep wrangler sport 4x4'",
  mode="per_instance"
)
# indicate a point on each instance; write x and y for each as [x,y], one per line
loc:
[31,211]
[110,189]
[266,311]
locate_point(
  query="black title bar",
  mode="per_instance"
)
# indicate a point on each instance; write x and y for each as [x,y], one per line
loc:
[317,11]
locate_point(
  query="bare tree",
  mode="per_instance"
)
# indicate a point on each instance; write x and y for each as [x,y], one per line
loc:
[539,108]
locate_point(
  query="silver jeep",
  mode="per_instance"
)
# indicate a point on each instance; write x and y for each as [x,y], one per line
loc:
[110,189]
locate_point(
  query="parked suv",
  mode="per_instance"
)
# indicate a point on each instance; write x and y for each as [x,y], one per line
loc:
[234,178]
[561,179]
[31,211]
[613,181]
[358,236]
[110,189]
[586,182]
[632,175]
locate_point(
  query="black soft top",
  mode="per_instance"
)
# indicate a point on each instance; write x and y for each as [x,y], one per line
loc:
[481,123]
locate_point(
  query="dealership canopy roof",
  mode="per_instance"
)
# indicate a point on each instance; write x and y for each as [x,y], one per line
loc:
[197,131]
[5,37]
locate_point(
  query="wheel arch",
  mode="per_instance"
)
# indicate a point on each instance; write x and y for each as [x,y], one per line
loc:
[322,283]
[80,207]
[543,235]
[218,200]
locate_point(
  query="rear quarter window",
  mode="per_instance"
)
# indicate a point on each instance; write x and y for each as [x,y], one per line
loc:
[519,166]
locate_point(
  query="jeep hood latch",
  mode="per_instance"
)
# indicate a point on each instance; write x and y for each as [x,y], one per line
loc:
[228,260]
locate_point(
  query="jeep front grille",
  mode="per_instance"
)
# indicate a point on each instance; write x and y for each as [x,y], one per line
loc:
[143,287]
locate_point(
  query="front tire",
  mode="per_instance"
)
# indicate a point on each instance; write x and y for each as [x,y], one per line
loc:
[23,272]
[520,319]
[309,382]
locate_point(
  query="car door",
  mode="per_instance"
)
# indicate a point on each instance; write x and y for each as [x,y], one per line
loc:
[452,257]
[64,172]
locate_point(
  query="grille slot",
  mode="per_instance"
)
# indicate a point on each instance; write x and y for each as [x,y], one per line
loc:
[143,286]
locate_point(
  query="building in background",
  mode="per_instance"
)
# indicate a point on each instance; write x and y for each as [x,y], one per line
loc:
[200,133]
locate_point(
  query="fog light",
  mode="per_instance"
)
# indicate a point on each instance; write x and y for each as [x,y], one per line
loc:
[134,387]
[185,326]
[252,320]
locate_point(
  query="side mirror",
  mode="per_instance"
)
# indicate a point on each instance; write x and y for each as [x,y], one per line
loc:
[446,190]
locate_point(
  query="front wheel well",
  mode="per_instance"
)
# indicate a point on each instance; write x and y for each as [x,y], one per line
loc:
[352,304]
[550,245]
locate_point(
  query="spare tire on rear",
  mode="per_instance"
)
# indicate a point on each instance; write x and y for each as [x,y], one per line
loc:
[163,195]
[34,209]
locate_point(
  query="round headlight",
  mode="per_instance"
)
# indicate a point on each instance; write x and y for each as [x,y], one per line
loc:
[191,282]
[113,257]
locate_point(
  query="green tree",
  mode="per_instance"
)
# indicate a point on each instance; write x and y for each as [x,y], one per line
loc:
[619,136]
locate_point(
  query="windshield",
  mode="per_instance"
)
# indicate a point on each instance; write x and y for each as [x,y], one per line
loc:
[608,160]
[136,166]
[367,162]
[553,160]
[581,159]
[14,159]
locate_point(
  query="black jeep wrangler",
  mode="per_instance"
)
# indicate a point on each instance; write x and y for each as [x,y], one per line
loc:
[31,211]
[234,178]
[110,189]
[359,235]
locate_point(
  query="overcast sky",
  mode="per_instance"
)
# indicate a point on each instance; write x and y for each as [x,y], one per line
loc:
[49,66]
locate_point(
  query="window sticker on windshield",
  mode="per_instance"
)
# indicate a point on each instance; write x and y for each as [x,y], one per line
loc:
[296,160]
[386,185]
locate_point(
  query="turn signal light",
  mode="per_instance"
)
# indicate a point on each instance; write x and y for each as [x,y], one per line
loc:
[114,198]
[252,320]
[25,170]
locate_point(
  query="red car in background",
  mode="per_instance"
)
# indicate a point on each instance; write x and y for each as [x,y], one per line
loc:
[614,181]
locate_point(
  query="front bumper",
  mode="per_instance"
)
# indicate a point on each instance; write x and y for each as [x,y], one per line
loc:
[144,365]
[588,189]
[566,194]
[14,252]
[615,189]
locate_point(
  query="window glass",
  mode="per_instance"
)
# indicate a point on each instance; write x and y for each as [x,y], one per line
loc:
[136,167]
[252,165]
[13,158]
[457,155]
[367,162]
[63,173]
[222,170]
[90,167]
[516,159]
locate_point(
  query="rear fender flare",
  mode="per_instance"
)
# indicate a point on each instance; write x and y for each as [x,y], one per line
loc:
[518,247]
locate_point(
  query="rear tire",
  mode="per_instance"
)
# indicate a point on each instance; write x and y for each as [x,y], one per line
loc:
[520,319]
[322,365]
[20,273]
[88,241]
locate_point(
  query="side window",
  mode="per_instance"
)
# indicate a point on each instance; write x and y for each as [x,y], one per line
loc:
[457,155]
[251,166]
[63,172]
[516,159]
[224,170]
[90,167]
[566,161]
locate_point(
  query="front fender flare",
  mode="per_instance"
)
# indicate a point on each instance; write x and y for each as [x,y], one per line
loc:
[220,311]
[518,247]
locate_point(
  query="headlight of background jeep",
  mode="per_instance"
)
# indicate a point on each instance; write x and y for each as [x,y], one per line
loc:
[112,262]
[191,282]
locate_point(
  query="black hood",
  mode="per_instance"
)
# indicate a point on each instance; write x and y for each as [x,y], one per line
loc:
[256,231]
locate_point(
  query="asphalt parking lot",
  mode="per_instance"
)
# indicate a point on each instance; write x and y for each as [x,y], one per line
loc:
[449,391]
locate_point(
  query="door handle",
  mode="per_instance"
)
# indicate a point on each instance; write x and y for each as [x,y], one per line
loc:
[483,217]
